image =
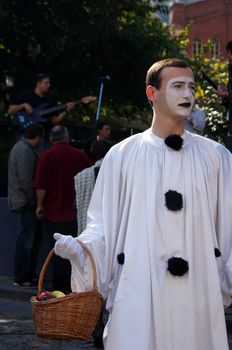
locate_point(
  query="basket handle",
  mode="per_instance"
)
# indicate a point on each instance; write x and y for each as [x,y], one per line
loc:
[49,257]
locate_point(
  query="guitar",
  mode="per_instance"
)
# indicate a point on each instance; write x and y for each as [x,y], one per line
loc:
[42,112]
[210,81]
[203,75]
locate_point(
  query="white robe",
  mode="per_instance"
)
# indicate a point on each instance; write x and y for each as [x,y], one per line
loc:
[150,309]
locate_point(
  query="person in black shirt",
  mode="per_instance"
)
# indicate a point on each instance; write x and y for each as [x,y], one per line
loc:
[103,133]
[26,104]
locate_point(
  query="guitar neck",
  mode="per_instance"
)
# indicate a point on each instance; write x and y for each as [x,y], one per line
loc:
[224,100]
[210,81]
[60,108]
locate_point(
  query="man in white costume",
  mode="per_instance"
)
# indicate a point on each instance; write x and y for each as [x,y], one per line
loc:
[160,229]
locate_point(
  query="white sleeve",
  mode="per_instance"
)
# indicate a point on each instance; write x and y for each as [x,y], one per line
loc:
[100,234]
[224,223]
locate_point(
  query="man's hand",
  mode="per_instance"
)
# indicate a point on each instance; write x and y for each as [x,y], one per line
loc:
[39,212]
[68,248]
[88,99]
[28,108]
[221,92]
[70,106]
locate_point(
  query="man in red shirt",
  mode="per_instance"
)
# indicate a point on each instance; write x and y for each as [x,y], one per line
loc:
[55,193]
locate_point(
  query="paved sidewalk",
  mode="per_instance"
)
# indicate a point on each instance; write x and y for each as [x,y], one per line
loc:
[8,290]
[18,332]
[18,329]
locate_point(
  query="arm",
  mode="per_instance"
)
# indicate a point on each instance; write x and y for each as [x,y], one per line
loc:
[102,226]
[26,167]
[78,201]
[40,195]
[58,118]
[84,184]
[41,186]
[221,92]
[224,224]
[13,108]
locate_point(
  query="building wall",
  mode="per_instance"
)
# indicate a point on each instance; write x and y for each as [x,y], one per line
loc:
[210,19]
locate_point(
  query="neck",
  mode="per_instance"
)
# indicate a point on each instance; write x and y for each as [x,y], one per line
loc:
[32,142]
[163,127]
[60,141]
[39,92]
[99,137]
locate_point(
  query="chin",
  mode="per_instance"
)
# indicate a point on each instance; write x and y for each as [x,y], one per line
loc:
[181,117]
[184,115]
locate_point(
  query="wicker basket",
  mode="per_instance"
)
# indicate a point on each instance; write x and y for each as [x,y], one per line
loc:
[73,316]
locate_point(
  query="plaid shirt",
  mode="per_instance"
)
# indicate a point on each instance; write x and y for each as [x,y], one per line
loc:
[84,185]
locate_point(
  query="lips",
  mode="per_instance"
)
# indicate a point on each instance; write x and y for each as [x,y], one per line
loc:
[185,104]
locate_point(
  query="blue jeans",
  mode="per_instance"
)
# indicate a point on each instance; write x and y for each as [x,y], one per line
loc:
[27,244]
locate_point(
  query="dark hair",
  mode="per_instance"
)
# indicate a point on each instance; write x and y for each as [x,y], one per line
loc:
[40,77]
[58,133]
[33,130]
[229,46]
[101,124]
[99,148]
[154,72]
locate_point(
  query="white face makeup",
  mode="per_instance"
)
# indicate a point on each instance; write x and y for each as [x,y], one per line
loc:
[180,95]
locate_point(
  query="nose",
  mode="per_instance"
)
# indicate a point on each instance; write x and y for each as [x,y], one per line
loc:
[188,92]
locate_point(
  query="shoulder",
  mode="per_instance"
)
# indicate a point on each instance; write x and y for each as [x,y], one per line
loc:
[84,173]
[122,155]
[46,155]
[198,113]
[25,95]
[206,142]
[126,145]
[77,152]
[16,148]
[210,147]
[20,146]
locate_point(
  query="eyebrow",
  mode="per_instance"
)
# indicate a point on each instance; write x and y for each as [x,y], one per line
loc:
[183,82]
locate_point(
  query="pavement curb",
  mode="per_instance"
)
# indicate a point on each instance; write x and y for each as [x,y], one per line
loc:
[9,291]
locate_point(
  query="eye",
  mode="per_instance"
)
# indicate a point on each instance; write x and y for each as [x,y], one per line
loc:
[193,88]
[178,86]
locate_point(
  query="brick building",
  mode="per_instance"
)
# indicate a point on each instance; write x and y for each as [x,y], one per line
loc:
[211,19]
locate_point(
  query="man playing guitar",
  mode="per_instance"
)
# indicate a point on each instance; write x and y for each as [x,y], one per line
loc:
[30,100]
[36,107]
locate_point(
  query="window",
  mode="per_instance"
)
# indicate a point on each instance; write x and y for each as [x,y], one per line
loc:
[215,50]
[196,47]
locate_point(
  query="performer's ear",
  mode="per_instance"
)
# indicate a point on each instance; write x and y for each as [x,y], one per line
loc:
[150,91]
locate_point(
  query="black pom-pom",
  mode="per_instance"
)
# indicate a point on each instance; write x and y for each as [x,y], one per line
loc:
[177,266]
[217,252]
[174,141]
[121,258]
[173,200]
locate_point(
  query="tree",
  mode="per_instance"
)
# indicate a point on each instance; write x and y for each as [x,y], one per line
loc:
[79,41]
[76,42]
[216,119]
